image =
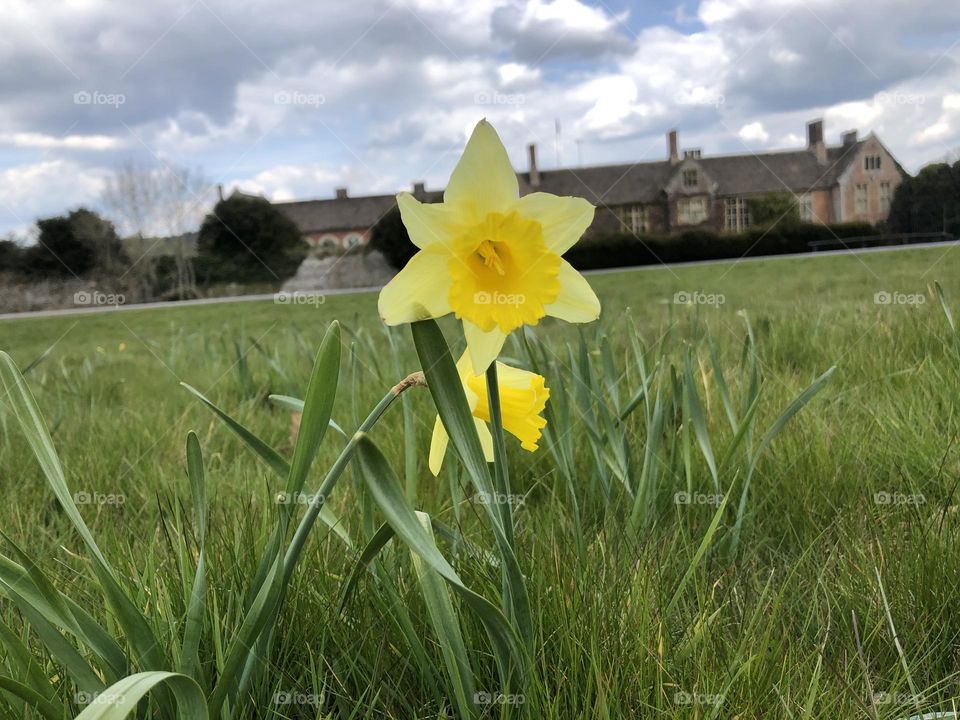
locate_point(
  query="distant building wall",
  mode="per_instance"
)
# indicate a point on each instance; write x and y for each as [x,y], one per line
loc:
[341,239]
[866,190]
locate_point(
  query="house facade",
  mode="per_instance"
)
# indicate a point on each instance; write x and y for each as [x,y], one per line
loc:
[852,181]
[343,222]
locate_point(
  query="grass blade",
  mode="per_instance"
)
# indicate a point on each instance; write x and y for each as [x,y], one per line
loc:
[121,699]
[389,497]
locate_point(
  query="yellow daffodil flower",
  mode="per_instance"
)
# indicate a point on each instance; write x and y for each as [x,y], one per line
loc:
[490,256]
[523,396]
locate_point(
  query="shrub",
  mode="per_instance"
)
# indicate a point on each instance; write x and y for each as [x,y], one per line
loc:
[390,237]
[624,249]
[76,245]
[11,257]
[929,202]
[246,239]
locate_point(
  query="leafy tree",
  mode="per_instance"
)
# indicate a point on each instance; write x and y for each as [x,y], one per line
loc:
[246,239]
[11,256]
[390,237]
[76,245]
[929,202]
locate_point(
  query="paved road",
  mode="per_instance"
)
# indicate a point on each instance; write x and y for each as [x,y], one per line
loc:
[351,291]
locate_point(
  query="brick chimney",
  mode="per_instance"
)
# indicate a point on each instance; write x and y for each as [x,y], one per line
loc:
[673,146]
[419,189]
[341,193]
[534,171]
[815,142]
[849,138]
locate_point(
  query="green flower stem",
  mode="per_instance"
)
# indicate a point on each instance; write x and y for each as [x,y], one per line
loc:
[501,474]
[336,470]
[515,600]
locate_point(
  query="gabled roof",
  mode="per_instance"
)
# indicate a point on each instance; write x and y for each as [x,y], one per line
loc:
[359,213]
[340,214]
[794,170]
[607,184]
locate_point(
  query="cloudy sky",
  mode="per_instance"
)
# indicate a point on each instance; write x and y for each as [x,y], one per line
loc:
[291,98]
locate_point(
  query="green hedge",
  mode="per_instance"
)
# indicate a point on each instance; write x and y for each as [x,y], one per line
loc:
[625,250]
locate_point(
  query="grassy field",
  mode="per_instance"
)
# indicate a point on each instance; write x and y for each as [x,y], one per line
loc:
[832,593]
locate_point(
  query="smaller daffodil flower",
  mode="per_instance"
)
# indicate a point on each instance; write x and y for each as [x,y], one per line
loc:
[523,396]
[489,256]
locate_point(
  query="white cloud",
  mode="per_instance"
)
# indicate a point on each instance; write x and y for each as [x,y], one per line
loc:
[292,182]
[754,133]
[69,142]
[45,188]
[403,82]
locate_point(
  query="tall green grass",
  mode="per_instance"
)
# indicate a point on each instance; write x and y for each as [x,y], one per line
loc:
[712,527]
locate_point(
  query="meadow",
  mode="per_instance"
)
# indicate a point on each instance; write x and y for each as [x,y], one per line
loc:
[715,525]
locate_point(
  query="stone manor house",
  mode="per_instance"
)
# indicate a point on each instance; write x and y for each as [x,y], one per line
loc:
[852,181]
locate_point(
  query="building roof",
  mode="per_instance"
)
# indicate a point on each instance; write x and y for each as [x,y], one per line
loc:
[359,213]
[645,182]
[794,170]
[341,214]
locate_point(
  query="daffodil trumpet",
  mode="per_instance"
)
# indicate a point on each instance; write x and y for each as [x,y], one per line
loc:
[489,256]
[516,404]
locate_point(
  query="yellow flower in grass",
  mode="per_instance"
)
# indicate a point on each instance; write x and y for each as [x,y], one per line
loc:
[490,256]
[523,396]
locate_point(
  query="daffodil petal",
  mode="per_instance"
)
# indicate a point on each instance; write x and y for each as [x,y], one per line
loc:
[484,347]
[438,447]
[428,223]
[419,291]
[564,219]
[486,439]
[577,302]
[484,180]
[511,377]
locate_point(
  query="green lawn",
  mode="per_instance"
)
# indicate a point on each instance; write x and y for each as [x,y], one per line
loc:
[851,511]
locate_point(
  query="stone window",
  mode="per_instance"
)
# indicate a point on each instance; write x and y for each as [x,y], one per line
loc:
[633,218]
[871,162]
[352,240]
[691,178]
[886,197]
[862,204]
[805,207]
[736,214]
[691,211]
